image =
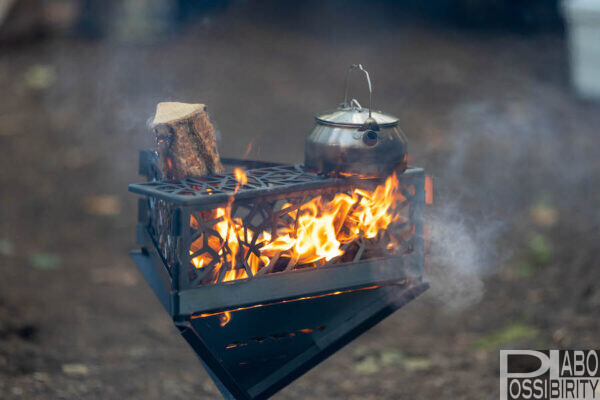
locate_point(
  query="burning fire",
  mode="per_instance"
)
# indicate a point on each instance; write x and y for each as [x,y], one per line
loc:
[317,232]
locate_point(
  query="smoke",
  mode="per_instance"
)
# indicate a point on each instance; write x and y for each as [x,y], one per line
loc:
[462,250]
[501,157]
[495,149]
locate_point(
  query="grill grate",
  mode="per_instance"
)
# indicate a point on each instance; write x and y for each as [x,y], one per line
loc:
[184,231]
[215,189]
[263,179]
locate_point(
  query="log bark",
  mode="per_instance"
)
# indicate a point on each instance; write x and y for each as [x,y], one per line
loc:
[186,141]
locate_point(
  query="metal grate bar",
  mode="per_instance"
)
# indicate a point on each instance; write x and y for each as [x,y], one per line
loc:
[265,180]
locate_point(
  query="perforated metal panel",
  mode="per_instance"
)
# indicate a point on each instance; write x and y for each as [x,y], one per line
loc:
[257,334]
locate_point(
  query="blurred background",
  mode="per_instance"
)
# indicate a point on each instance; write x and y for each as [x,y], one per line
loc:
[497,98]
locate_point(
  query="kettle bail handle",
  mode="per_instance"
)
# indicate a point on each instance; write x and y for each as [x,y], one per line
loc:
[360,68]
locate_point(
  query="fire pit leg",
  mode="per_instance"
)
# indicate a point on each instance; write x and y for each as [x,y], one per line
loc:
[209,362]
[147,269]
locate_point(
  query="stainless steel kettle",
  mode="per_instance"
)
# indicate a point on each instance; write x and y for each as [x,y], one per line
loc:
[351,140]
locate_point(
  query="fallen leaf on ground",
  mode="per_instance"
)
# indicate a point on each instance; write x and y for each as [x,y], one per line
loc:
[103,205]
[75,369]
[44,260]
[416,364]
[367,366]
[541,249]
[543,215]
[115,276]
[138,351]
[370,361]
[391,357]
[40,76]
[514,332]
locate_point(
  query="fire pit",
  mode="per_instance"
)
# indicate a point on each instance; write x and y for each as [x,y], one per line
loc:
[268,269]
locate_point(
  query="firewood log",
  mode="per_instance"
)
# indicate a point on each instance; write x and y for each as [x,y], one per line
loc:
[186,140]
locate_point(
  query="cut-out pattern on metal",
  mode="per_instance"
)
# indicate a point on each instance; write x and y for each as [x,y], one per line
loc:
[258,215]
[184,233]
[214,188]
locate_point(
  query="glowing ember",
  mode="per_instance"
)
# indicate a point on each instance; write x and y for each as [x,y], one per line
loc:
[226,315]
[316,233]
[428,190]
[224,318]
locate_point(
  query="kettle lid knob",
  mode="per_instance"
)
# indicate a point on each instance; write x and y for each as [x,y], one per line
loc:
[370,124]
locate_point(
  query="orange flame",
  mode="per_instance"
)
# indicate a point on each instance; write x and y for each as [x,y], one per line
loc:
[220,313]
[224,318]
[428,190]
[249,148]
[316,233]
[240,177]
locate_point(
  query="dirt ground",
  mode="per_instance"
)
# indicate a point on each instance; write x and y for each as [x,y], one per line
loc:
[490,115]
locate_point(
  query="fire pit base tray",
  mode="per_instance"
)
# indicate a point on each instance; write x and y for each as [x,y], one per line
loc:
[253,351]
[275,360]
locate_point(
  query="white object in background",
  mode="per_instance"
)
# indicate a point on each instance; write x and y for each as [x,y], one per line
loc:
[583,25]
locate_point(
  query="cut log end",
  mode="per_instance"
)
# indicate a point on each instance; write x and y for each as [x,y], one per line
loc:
[186,140]
[170,112]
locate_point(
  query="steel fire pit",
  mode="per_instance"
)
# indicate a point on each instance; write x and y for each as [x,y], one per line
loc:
[257,334]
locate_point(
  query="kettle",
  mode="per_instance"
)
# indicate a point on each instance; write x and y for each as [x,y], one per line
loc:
[351,140]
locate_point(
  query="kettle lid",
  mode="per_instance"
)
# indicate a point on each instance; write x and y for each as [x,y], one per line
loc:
[354,116]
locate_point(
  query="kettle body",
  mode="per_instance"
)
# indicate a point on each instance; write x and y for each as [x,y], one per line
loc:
[352,140]
[347,150]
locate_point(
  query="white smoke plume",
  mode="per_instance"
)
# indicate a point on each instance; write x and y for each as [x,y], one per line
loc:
[462,250]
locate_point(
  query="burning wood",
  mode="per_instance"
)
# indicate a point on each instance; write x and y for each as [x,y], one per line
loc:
[316,232]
